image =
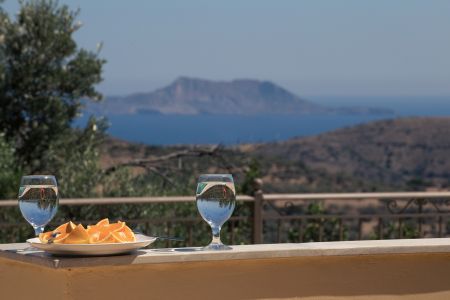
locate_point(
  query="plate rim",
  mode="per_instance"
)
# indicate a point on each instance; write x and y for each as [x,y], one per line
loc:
[89,250]
[145,239]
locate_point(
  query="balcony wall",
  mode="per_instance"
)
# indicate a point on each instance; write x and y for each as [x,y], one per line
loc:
[399,269]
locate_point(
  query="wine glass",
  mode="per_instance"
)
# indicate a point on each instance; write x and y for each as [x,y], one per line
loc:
[216,199]
[38,200]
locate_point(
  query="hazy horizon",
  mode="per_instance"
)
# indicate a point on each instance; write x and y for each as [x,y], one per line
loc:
[312,48]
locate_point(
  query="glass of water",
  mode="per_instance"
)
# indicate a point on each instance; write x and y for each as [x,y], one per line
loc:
[38,200]
[216,199]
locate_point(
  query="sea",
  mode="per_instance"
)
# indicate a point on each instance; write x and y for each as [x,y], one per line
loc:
[155,129]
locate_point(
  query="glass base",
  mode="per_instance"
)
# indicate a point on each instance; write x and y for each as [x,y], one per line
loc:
[217,246]
[38,230]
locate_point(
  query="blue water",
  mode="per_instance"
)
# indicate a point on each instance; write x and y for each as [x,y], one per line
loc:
[233,129]
[213,213]
[216,204]
[35,215]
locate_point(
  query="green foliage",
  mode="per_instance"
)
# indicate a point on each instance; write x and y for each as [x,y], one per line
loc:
[44,77]
[417,184]
[253,171]
[317,229]
[409,230]
[77,167]
[9,173]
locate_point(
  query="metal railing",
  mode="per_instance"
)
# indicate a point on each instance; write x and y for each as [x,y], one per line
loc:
[309,217]
[358,215]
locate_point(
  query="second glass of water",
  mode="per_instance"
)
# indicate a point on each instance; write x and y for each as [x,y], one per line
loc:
[216,199]
[38,200]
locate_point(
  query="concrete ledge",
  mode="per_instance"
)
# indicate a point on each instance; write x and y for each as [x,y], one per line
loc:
[389,269]
[19,252]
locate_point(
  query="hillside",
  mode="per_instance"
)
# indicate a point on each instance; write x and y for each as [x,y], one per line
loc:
[191,96]
[408,152]
[279,175]
[402,154]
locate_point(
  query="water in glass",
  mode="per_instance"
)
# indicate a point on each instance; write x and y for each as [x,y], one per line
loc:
[216,199]
[38,200]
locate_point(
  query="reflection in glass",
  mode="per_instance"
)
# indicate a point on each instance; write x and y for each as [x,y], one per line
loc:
[216,199]
[38,200]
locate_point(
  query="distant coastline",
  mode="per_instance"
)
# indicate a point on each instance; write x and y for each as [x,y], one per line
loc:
[158,129]
[154,128]
[193,96]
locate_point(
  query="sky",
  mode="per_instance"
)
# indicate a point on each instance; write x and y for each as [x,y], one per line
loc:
[313,48]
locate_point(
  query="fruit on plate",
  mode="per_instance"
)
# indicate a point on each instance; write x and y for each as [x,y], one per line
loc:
[100,233]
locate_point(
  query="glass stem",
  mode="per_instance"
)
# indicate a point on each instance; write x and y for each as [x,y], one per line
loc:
[38,230]
[216,235]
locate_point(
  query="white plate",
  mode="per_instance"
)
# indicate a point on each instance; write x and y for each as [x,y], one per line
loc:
[93,249]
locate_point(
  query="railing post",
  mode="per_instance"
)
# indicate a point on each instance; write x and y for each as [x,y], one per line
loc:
[258,212]
[420,203]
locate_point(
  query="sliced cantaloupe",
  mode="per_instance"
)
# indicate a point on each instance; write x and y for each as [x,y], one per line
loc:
[94,238]
[77,236]
[116,226]
[103,222]
[119,237]
[58,233]
[71,226]
[99,238]
[45,236]
[60,238]
[129,234]
[61,228]
[102,232]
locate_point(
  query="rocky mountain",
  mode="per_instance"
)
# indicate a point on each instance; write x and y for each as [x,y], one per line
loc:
[198,96]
